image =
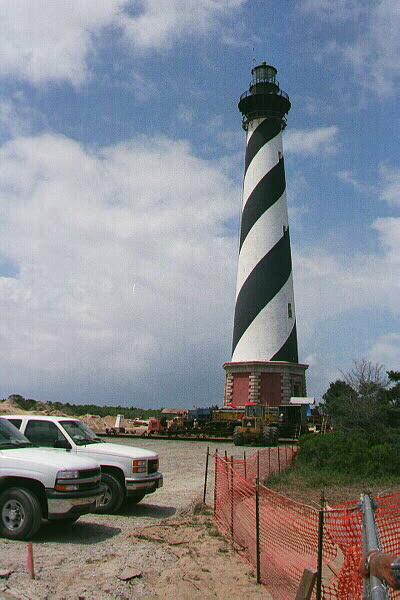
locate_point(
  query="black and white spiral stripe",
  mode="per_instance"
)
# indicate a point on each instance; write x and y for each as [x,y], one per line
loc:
[265,324]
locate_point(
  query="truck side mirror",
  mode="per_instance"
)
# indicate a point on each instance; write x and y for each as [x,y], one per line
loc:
[64,444]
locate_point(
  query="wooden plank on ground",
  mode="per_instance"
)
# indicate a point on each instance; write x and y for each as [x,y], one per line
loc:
[306,585]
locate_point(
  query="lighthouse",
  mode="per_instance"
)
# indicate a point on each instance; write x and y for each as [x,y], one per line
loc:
[264,367]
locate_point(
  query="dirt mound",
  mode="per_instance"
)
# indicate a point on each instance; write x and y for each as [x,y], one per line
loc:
[10,407]
[97,423]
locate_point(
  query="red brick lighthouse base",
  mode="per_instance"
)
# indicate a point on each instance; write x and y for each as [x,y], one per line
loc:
[263,382]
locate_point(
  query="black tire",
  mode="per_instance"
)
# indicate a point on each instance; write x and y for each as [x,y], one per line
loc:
[20,514]
[136,498]
[270,436]
[238,438]
[275,435]
[114,495]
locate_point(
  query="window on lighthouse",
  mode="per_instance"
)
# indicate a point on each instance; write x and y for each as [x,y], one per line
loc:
[279,155]
[289,310]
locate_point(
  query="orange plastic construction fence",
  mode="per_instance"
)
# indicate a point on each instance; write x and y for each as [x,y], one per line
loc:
[289,529]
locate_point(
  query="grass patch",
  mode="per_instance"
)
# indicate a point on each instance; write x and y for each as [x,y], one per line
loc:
[344,465]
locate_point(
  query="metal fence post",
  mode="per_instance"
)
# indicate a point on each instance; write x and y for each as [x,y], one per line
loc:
[279,460]
[375,588]
[258,465]
[269,461]
[245,464]
[258,563]
[216,458]
[232,505]
[206,475]
[320,546]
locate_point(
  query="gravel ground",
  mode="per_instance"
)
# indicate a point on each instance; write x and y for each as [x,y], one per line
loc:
[84,561]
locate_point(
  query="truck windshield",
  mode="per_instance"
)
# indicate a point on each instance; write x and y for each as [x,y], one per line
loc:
[10,437]
[80,433]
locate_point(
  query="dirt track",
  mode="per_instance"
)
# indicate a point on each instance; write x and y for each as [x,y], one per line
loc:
[85,561]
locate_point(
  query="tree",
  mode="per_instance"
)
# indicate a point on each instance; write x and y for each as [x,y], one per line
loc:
[366,378]
[360,401]
[334,396]
[393,391]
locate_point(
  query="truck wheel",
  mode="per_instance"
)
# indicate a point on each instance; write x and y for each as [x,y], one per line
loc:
[20,514]
[270,436]
[275,435]
[238,438]
[136,498]
[114,495]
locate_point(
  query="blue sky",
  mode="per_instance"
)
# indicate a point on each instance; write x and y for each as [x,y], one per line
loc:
[121,163]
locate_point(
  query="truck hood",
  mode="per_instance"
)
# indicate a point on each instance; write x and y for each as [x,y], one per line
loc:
[59,459]
[118,450]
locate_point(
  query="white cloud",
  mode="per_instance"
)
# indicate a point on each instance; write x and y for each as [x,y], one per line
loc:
[125,268]
[388,188]
[160,22]
[186,114]
[18,117]
[84,227]
[375,53]
[321,140]
[46,41]
[386,351]
[390,184]
[329,285]
[348,177]
[144,87]
[332,289]
[339,10]
[374,48]
[297,191]
[388,229]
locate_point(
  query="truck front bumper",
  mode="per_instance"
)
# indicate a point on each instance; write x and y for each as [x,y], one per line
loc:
[64,505]
[148,484]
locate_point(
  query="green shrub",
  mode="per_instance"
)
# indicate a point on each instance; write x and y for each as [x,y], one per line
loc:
[353,455]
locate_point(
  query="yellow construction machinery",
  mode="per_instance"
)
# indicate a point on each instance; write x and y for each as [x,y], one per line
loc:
[259,427]
[262,425]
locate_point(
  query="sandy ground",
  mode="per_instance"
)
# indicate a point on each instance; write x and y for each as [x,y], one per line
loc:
[87,560]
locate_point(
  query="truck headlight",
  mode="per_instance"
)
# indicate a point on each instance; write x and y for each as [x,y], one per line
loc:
[139,466]
[68,475]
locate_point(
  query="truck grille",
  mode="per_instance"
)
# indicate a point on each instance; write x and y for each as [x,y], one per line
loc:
[89,473]
[88,479]
[84,487]
[152,466]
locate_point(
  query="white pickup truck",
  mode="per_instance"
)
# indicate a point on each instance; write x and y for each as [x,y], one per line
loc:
[36,483]
[126,472]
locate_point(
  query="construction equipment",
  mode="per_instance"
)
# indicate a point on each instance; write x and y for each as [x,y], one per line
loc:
[262,424]
[225,420]
[259,427]
[213,421]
